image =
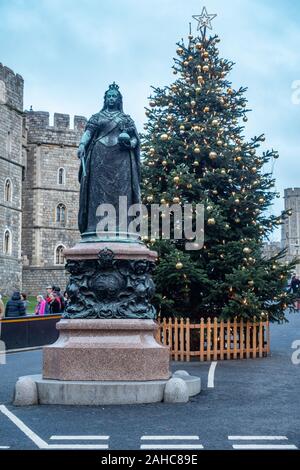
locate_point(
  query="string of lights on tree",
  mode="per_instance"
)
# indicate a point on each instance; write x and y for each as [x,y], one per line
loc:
[194,152]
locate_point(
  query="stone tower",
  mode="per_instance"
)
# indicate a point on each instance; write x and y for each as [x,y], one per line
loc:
[290,234]
[50,198]
[12,165]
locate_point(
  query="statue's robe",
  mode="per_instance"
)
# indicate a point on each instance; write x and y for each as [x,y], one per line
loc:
[111,171]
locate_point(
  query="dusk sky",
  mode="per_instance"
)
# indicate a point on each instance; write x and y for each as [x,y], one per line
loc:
[68,51]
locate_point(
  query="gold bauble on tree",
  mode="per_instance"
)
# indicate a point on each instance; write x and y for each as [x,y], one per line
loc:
[176,200]
[150,198]
[176,179]
[247,250]
[197,150]
[179,265]
[164,137]
[211,221]
[213,155]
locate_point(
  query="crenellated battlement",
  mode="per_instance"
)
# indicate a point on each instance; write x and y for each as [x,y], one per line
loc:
[61,133]
[292,192]
[11,88]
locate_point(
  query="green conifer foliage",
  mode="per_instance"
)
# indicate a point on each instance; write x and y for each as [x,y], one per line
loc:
[195,151]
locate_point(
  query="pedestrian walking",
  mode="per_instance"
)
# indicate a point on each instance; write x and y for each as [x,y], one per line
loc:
[55,306]
[15,306]
[2,308]
[25,301]
[66,299]
[40,307]
[295,289]
[61,298]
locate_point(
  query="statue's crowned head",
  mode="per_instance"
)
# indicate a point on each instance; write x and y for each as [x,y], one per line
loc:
[113,98]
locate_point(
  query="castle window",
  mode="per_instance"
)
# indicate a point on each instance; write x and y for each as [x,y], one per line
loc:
[61,214]
[59,255]
[61,176]
[7,242]
[8,190]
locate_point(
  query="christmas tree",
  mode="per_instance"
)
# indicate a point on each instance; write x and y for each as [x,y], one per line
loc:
[195,152]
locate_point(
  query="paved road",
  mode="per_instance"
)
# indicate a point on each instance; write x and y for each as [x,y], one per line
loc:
[259,398]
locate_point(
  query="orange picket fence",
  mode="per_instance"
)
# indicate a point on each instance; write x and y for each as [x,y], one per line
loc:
[212,340]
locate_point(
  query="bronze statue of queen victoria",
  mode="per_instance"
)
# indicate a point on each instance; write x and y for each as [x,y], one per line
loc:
[110,161]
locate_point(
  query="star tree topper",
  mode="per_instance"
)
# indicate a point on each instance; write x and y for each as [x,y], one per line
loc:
[204,20]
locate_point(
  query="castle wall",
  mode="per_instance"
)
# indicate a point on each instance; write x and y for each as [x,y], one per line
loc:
[50,148]
[36,279]
[290,234]
[12,154]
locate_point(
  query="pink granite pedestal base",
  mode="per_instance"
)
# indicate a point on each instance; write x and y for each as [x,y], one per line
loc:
[106,350]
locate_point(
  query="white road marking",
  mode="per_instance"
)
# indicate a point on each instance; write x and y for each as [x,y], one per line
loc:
[171,446]
[257,438]
[4,447]
[79,438]
[264,446]
[169,438]
[211,375]
[25,429]
[78,446]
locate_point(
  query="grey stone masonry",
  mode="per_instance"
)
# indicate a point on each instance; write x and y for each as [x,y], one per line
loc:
[12,163]
[36,279]
[290,234]
[51,182]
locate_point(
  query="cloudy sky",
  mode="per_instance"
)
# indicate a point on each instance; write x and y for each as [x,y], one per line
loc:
[68,51]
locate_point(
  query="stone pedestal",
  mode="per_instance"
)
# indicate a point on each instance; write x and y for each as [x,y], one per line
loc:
[108,330]
[118,350]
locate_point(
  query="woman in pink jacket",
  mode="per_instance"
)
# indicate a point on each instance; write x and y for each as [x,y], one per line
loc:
[41,305]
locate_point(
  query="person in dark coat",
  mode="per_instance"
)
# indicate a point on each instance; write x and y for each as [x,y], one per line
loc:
[15,306]
[295,284]
[55,306]
[60,297]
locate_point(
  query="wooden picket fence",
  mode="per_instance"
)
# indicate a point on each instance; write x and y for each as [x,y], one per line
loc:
[214,340]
